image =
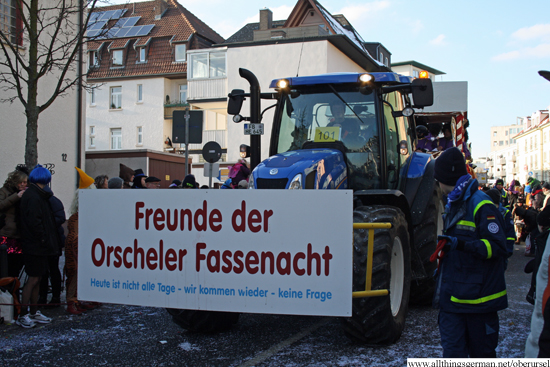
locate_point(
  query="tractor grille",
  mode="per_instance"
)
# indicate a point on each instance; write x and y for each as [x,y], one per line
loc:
[279,183]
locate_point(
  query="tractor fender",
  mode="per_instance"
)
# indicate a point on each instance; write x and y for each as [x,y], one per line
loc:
[393,198]
[419,190]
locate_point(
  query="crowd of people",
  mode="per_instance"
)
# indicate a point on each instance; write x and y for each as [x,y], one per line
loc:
[32,228]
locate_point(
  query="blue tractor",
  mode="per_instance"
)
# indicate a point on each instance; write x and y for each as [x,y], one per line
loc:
[357,131]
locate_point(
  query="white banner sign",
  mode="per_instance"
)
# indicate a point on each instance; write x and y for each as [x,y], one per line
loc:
[257,251]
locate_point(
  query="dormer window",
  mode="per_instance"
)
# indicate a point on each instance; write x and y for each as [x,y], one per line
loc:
[117,58]
[93,59]
[180,53]
[141,54]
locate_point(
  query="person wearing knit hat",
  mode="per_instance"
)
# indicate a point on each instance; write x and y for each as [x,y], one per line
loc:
[450,166]
[115,183]
[471,288]
[189,182]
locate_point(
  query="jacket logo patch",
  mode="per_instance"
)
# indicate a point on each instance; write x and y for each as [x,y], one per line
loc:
[493,227]
[491,217]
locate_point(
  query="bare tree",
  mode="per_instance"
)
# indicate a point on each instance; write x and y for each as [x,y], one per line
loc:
[46,44]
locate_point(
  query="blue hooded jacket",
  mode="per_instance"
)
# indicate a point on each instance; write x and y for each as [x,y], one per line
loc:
[471,278]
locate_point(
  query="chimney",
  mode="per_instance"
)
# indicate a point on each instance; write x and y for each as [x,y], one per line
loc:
[160,8]
[266,19]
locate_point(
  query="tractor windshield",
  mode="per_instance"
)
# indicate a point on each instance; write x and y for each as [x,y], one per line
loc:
[347,117]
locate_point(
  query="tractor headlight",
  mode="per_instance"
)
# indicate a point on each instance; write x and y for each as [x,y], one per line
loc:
[296,182]
[366,78]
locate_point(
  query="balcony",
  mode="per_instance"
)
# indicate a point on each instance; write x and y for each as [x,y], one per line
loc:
[490,163]
[170,107]
[514,158]
[502,161]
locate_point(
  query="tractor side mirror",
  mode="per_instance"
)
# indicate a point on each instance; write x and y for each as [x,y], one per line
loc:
[422,92]
[235,103]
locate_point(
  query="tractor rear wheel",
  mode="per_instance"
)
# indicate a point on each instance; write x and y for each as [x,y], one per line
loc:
[203,321]
[425,242]
[380,320]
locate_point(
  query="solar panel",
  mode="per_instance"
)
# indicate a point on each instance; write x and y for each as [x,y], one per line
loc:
[145,30]
[122,32]
[107,15]
[130,22]
[133,31]
[93,33]
[96,25]
[95,16]
[118,13]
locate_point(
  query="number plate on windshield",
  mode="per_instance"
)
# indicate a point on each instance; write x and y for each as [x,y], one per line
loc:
[327,134]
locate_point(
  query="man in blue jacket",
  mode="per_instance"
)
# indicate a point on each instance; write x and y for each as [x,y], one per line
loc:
[472,252]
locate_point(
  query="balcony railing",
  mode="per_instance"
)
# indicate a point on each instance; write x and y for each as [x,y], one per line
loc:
[502,161]
[207,89]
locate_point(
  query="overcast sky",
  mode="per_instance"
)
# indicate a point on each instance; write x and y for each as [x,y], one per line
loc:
[496,46]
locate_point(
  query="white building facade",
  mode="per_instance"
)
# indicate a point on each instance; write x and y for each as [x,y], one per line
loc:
[534,147]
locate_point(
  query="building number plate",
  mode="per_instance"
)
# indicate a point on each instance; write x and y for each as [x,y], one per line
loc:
[253,129]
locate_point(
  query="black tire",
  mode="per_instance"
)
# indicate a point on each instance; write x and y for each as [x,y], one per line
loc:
[203,321]
[425,243]
[373,321]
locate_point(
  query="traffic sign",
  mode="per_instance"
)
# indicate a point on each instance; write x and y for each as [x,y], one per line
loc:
[211,152]
[530,173]
[253,129]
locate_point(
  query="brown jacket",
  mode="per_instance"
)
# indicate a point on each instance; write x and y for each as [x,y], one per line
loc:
[71,245]
[9,203]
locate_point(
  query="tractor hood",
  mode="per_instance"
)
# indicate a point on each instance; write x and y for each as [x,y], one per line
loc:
[316,168]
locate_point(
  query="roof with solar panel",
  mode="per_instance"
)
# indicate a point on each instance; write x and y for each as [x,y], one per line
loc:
[157,26]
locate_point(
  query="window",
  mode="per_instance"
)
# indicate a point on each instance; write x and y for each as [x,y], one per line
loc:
[207,65]
[495,143]
[116,139]
[501,143]
[183,93]
[387,63]
[506,133]
[217,64]
[381,57]
[139,135]
[415,73]
[117,57]
[92,96]
[180,53]
[93,61]
[140,93]
[92,136]
[116,98]
[494,133]
[506,142]
[142,54]
[8,20]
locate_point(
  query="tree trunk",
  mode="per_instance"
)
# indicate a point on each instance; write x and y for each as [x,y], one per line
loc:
[31,109]
[31,143]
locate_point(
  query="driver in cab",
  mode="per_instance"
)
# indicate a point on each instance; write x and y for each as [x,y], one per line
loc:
[347,126]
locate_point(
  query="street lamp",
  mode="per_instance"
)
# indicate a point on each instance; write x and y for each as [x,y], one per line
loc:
[545,74]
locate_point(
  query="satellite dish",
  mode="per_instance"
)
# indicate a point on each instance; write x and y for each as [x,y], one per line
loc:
[545,74]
